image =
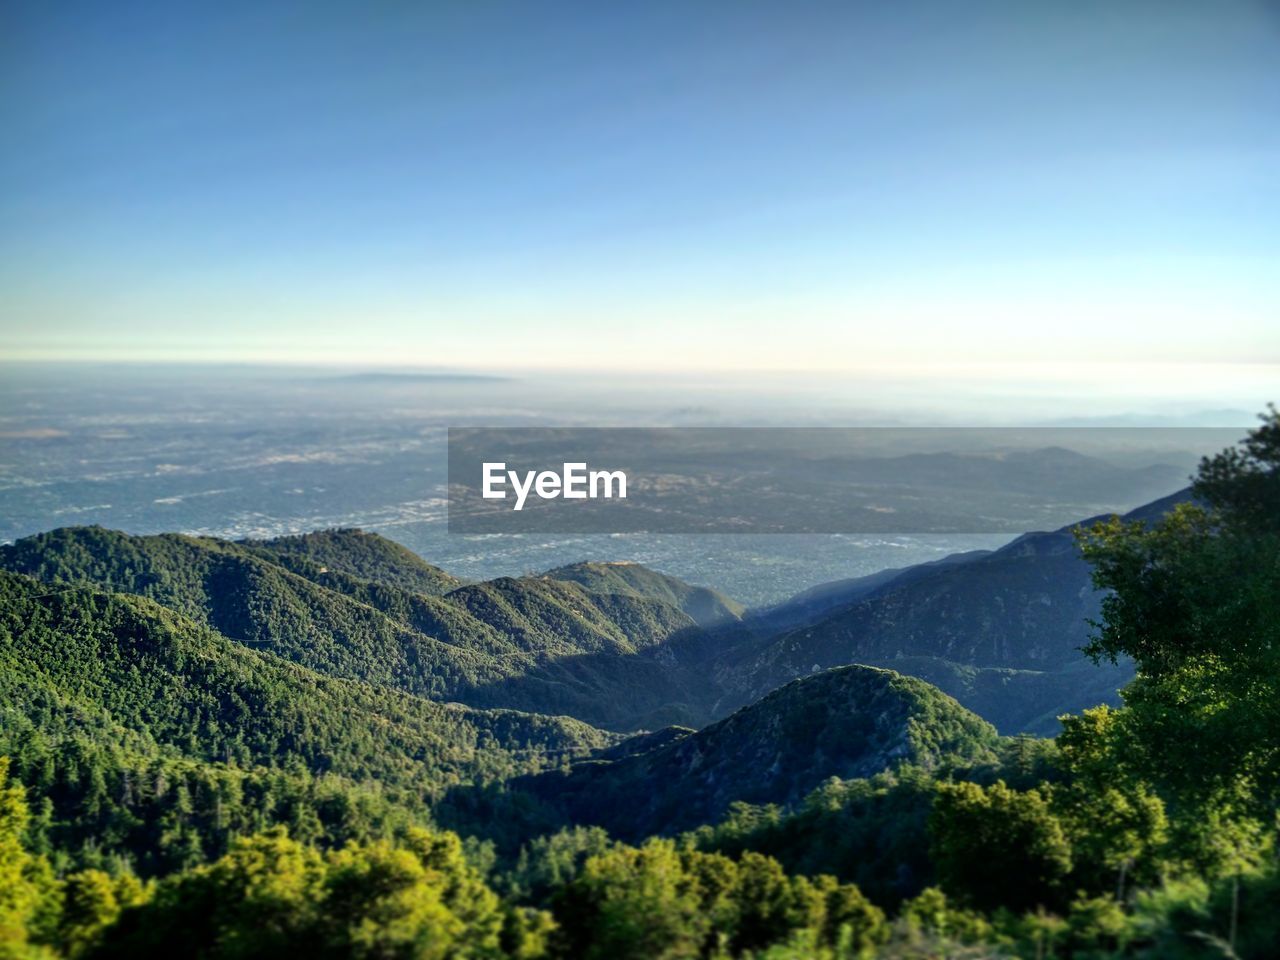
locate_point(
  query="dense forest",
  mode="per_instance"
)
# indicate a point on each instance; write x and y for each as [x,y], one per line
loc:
[324,745]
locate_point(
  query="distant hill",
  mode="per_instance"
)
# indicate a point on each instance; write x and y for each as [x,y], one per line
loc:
[359,554]
[705,606]
[810,605]
[1022,609]
[1047,472]
[1020,701]
[849,722]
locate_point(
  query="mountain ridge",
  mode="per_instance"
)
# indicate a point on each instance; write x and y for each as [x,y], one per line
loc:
[848,722]
[614,644]
[533,644]
[705,606]
[1023,608]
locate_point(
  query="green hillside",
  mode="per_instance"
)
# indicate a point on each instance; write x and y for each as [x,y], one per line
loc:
[537,614]
[119,672]
[704,606]
[532,644]
[850,722]
[1019,701]
[366,556]
[246,598]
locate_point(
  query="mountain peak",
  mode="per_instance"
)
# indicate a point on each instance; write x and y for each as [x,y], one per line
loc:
[357,553]
[848,722]
[706,607]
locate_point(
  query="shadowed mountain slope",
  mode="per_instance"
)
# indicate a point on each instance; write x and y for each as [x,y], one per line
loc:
[850,722]
[1023,609]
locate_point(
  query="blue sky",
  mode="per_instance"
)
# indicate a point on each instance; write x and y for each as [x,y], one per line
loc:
[668,185]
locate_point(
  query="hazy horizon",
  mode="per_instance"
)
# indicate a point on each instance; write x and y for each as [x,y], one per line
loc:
[1011,394]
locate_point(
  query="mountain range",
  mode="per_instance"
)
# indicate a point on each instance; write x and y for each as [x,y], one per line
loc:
[252,668]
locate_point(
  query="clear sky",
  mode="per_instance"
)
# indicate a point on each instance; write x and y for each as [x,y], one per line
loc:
[647,185]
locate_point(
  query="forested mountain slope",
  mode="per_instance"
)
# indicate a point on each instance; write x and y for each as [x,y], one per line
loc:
[849,722]
[1002,632]
[112,703]
[367,556]
[617,645]
[261,604]
[705,606]
[79,653]
[534,644]
[814,604]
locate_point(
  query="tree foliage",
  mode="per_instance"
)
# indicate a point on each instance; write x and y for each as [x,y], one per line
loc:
[1195,600]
